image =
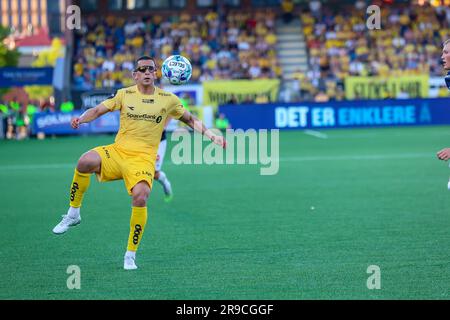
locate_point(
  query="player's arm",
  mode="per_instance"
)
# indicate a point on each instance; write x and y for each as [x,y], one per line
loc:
[193,122]
[167,122]
[444,154]
[89,115]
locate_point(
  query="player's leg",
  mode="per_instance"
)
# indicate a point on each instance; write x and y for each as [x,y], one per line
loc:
[160,176]
[139,193]
[89,163]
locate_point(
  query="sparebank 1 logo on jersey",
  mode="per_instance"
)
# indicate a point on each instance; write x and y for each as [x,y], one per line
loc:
[144,116]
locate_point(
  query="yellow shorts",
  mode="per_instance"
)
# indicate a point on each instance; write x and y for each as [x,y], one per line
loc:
[130,166]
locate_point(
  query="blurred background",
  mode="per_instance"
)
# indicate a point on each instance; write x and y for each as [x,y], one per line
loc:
[56,58]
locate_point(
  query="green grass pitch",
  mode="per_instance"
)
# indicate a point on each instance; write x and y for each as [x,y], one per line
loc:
[379,196]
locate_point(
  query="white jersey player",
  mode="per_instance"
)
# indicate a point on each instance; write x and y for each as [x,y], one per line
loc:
[160,176]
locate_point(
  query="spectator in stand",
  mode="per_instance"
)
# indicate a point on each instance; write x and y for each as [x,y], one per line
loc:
[105,50]
[4,112]
[21,123]
[31,110]
[340,45]
[321,97]
[48,105]
[67,106]
[287,7]
[315,7]
[222,123]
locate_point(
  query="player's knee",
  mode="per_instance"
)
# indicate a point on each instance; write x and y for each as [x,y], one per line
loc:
[156,175]
[140,194]
[84,165]
[139,202]
[88,163]
[140,199]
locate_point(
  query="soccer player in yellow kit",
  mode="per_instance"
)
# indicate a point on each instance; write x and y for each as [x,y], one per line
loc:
[144,110]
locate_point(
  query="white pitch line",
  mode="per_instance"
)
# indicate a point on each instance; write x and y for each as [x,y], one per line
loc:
[37,166]
[316,134]
[282,159]
[360,157]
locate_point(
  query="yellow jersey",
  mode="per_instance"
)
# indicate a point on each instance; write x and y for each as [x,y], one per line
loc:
[142,117]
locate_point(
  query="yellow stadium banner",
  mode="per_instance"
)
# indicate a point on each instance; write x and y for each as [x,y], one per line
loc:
[204,114]
[218,92]
[197,112]
[415,86]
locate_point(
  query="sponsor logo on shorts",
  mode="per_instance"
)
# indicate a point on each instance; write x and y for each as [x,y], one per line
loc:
[144,173]
[107,153]
[73,191]
[137,233]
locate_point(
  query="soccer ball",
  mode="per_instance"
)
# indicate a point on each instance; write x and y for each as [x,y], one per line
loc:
[177,69]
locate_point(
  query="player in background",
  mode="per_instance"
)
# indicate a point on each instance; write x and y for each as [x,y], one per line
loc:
[144,110]
[444,154]
[160,176]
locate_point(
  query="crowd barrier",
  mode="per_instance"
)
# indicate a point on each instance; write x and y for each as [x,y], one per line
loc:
[348,114]
[58,123]
[289,116]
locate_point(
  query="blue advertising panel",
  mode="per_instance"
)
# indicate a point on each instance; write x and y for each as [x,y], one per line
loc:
[286,116]
[107,123]
[19,77]
[348,114]
[59,123]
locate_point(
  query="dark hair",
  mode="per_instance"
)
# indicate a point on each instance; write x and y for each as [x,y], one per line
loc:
[145,58]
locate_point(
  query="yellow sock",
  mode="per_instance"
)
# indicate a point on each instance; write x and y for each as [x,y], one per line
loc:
[80,184]
[137,226]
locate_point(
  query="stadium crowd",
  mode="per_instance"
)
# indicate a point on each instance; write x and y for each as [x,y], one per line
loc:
[242,46]
[238,46]
[340,44]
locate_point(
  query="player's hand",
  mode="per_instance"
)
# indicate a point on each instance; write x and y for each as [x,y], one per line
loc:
[444,154]
[219,140]
[75,123]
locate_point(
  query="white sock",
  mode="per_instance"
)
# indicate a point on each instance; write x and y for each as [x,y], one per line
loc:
[131,254]
[73,212]
[165,182]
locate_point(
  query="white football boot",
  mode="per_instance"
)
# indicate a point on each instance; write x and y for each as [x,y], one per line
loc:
[66,223]
[168,194]
[128,262]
